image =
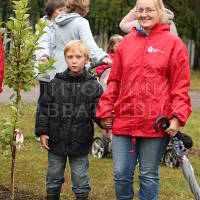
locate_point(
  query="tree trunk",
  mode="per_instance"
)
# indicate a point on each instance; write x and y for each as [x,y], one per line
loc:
[13,172]
[13,145]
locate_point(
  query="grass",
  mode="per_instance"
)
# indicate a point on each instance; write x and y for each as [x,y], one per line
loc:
[31,167]
[195,80]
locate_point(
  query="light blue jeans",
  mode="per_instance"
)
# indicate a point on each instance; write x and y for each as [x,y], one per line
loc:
[148,152]
[79,173]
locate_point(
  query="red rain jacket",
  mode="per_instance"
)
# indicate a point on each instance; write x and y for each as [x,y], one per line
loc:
[150,77]
[1,64]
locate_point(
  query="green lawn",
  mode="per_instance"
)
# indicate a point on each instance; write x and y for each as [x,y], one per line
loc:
[31,167]
[195,80]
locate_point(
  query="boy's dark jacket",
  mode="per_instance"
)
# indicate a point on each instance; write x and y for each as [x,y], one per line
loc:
[66,113]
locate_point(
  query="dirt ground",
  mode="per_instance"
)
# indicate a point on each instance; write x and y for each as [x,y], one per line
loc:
[19,195]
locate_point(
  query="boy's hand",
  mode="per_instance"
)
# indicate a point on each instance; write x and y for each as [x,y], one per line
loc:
[43,140]
[43,60]
[107,122]
[174,126]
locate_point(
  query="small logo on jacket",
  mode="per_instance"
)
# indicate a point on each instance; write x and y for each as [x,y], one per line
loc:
[153,50]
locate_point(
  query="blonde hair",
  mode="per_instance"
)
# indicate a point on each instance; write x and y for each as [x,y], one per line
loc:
[77,45]
[78,6]
[112,41]
[160,8]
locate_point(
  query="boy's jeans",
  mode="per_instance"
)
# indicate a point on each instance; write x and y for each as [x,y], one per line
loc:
[148,152]
[79,173]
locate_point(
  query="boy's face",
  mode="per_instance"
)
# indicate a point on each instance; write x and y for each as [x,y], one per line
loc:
[76,61]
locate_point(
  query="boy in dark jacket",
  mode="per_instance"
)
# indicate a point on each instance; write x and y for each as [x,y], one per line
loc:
[66,115]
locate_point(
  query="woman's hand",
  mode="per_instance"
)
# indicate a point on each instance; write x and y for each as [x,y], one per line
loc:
[107,122]
[43,140]
[174,127]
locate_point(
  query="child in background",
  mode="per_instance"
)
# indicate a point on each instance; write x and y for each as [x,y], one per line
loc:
[65,119]
[53,9]
[1,64]
[74,26]
[112,45]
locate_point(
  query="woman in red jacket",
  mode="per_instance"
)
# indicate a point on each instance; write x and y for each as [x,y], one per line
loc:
[1,64]
[149,77]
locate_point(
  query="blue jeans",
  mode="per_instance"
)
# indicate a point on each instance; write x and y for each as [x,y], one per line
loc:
[79,173]
[148,152]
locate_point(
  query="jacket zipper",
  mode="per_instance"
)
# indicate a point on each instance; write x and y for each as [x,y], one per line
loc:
[69,137]
[142,67]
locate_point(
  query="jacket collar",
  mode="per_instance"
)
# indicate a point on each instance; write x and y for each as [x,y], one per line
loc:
[140,30]
[67,76]
[157,29]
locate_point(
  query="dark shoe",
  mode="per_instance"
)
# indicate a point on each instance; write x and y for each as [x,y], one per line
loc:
[83,196]
[53,195]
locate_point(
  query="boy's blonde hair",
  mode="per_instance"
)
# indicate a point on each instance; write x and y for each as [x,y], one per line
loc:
[73,45]
[78,6]
[160,8]
[116,38]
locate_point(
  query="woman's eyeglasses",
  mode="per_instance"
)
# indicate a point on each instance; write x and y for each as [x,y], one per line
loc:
[146,10]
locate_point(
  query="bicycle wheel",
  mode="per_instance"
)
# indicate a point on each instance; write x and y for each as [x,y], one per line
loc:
[98,148]
[170,158]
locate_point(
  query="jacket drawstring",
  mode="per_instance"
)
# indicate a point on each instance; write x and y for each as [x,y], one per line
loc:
[133,143]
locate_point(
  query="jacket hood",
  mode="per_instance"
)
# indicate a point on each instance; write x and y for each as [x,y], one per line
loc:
[170,15]
[63,19]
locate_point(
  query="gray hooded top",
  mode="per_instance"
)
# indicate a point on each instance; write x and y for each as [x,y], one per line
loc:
[70,27]
[170,17]
[45,42]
